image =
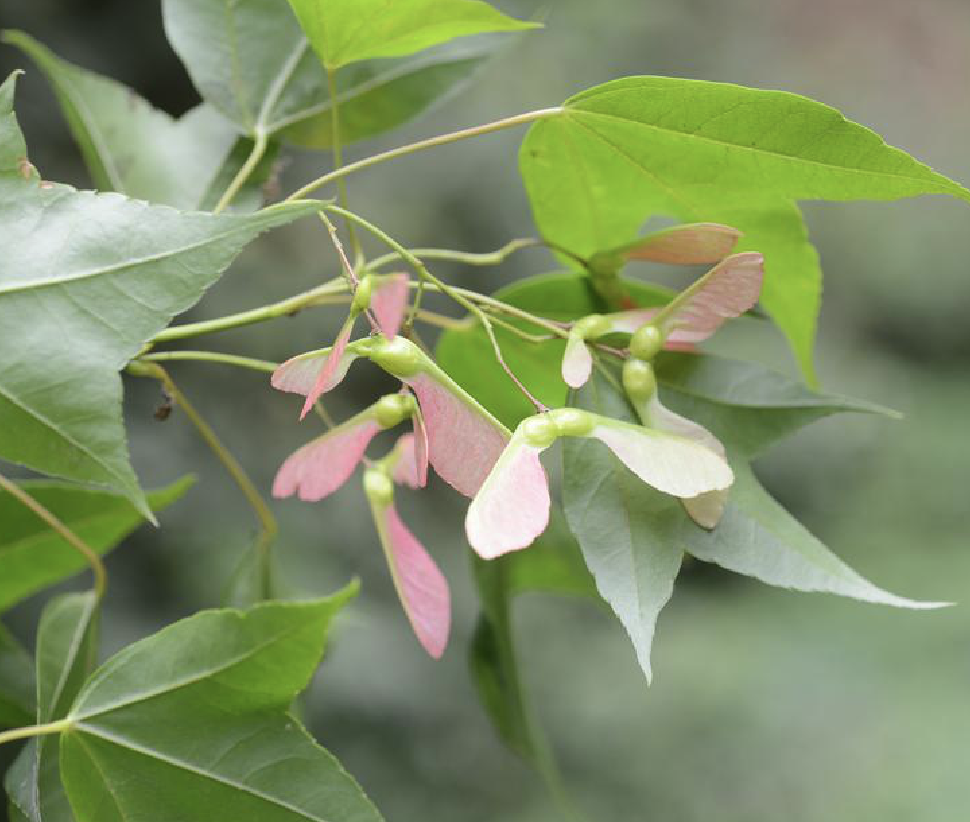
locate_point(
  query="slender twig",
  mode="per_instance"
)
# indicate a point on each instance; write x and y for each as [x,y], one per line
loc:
[211,356]
[321,295]
[36,730]
[336,146]
[268,528]
[260,141]
[462,300]
[85,550]
[468,258]
[421,145]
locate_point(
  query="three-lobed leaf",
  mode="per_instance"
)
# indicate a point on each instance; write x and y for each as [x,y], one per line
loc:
[347,31]
[32,556]
[85,281]
[193,723]
[700,151]
[251,61]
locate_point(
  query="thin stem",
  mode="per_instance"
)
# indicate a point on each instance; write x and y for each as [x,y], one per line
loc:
[321,295]
[211,356]
[90,556]
[440,320]
[459,298]
[268,528]
[36,730]
[349,270]
[260,142]
[421,145]
[337,148]
[469,258]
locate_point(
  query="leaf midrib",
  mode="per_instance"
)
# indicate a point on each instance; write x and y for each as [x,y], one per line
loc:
[135,747]
[934,178]
[176,685]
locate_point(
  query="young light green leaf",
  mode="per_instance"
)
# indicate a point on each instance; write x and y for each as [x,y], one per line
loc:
[193,723]
[251,61]
[639,146]
[32,556]
[616,520]
[347,31]
[67,640]
[135,149]
[104,274]
[16,682]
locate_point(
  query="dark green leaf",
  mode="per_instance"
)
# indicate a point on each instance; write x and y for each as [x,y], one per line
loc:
[16,682]
[744,403]
[87,280]
[559,296]
[642,146]
[618,521]
[32,556]
[66,655]
[251,61]
[554,564]
[134,149]
[347,31]
[193,724]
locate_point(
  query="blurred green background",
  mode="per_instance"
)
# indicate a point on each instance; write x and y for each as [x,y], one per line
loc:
[766,705]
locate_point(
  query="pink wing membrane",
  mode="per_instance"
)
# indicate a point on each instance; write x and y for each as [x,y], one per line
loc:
[512,507]
[323,465]
[692,244]
[407,470]
[330,374]
[670,464]
[730,289]
[577,362]
[421,586]
[463,444]
[389,302]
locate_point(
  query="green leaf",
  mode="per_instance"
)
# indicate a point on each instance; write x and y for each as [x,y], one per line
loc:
[193,723]
[134,149]
[251,61]
[87,280]
[13,148]
[618,521]
[346,31]
[32,556]
[66,655]
[559,296]
[16,682]
[642,146]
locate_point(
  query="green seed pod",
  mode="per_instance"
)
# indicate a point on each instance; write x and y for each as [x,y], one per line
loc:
[378,487]
[639,380]
[646,342]
[591,327]
[361,301]
[397,357]
[540,431]
[393,409]
[571,422]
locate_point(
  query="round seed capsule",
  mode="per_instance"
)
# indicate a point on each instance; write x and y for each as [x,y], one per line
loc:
[540,431]
[378,487]
[646,342]
[639,380]
[361,301]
